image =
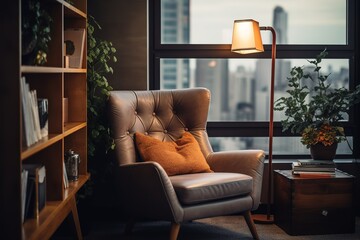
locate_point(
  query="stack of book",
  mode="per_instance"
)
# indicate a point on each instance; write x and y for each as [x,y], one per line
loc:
[314,167]
[35,114]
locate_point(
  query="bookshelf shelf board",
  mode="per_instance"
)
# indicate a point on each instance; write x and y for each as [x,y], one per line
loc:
[74,70]
[40,145]
[71,127]
[42,69]
[76,185]
[70,10]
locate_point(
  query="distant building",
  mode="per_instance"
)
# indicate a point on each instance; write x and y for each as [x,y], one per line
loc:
[280,24]
[213,74]
[263,67]
[241,94]
[175,29]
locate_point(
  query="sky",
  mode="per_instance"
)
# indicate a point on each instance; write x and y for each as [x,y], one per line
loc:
[309,21]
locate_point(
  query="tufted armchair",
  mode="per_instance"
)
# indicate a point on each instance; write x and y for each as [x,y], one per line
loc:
[146,192]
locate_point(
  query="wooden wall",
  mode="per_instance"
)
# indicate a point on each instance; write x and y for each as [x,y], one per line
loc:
[124,23]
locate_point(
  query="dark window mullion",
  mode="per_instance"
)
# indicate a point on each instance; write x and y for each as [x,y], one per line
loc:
[223,51]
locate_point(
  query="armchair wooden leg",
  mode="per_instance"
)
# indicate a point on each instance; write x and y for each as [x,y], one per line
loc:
[251,225]
[175,227]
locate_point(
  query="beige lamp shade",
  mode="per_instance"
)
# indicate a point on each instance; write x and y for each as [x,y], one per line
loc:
[246,37]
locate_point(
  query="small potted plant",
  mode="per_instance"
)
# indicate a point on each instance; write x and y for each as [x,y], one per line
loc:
[36,33]
[315,110]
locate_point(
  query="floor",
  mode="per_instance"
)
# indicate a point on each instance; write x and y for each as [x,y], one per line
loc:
[224,228]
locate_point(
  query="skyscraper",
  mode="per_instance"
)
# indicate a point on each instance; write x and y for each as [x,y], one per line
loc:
[175,25]
[213,74]
[280,23]
[282,68]
[241,94]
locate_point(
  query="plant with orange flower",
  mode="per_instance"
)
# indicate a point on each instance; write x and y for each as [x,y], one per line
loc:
[314,108]
[325,134]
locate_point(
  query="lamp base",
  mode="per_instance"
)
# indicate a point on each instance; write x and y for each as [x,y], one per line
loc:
[263,219]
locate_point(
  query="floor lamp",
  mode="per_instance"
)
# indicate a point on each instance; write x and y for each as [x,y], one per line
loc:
[246,39]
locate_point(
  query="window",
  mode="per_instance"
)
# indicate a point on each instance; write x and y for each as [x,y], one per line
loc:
[281,145]
[194,51]
[210,21]
[239,87]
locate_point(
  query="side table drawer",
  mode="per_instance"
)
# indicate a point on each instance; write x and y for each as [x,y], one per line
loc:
[314,206]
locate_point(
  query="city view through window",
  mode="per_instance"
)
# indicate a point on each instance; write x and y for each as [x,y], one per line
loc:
[240,87]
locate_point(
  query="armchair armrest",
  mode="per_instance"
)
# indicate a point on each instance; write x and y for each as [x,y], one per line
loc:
[144,189]
[249,162]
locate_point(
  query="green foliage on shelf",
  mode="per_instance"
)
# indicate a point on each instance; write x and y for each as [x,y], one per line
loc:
[100,54]
[36,33]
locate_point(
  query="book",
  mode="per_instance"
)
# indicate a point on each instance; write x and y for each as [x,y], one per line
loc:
[30,210]
[43,109]
[316,162]
[36,190]
[35,114]
[65,177]
[75,40]
[24,180]
[30,109]
[317,168]
[314,174]
[25,112]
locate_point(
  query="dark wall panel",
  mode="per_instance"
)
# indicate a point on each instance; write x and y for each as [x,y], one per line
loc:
[124,23]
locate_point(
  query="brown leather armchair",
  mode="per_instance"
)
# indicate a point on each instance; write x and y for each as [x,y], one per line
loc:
[146,192]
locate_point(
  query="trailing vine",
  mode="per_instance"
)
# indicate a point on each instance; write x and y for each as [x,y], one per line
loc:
[100,54]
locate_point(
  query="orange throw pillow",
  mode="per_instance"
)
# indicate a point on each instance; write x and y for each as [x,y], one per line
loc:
[176,157]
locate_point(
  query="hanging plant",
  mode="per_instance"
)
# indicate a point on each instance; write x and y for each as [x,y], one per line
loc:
[36,23]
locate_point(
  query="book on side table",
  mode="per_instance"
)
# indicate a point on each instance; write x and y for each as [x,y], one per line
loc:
[321,168]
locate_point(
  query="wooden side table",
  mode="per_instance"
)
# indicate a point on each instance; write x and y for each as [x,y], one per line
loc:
[314,205]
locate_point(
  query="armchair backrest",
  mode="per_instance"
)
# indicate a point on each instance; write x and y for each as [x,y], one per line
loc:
[162,114]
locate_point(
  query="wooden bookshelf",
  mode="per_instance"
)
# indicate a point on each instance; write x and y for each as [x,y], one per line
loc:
[54,82]
[54,214]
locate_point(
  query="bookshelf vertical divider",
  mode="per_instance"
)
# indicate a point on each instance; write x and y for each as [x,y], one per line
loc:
[54,82]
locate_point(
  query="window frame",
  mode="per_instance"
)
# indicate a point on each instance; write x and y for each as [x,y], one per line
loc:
[349,51]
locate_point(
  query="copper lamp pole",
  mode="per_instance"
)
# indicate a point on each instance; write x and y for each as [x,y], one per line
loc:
[247,39]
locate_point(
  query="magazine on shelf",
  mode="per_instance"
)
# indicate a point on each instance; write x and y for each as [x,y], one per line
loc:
[36,190]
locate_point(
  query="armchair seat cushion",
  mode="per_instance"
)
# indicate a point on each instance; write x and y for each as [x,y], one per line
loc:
[203,187]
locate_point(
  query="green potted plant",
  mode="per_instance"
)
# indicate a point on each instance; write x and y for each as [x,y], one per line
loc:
[100,56]
[315,110]
[36,33]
